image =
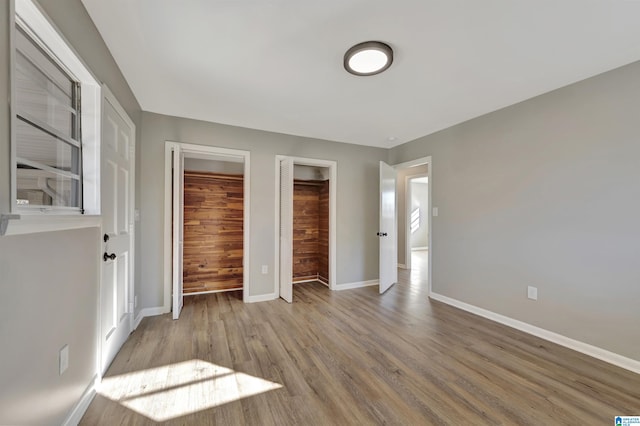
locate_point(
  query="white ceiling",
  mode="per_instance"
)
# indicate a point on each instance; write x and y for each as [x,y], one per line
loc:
[277,64]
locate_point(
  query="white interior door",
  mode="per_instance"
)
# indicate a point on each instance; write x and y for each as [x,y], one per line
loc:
[117,168]
[178,230]
[286,229]
[387,233]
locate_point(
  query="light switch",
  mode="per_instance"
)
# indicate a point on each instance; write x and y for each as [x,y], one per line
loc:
[435,211]
[265,269]
[64,359]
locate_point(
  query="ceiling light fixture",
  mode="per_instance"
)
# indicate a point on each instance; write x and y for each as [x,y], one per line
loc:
[368,58]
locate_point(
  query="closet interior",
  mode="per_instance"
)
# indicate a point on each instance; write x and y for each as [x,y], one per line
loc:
[310,224]
[213,226]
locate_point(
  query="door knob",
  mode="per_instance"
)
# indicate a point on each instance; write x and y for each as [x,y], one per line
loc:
[106,256]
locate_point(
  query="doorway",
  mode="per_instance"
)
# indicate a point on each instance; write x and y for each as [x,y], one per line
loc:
[305,223]
[208,186]
[213,224]
[310,243]
[415,220]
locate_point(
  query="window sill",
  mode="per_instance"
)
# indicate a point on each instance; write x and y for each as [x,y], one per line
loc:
[19,224]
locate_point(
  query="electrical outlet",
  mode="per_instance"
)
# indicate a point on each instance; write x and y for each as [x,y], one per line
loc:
[435,211]
[64,359]
[265,269]
[532,293]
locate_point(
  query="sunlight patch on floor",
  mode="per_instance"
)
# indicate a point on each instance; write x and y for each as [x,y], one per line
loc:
[175,390]
[419,275]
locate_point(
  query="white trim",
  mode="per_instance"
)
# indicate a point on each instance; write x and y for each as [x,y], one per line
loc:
[358,284]
[168,230]
[417,162]
[81,407]
[261,298]
[205,152]
[13,204]
[276,240]
[425,248]
[32,224]
[576,345]
[177,233]
[402,266]
[148,312]
[333,223]
[197,293]
[305,281]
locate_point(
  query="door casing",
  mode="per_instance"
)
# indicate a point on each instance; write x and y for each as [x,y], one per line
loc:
[204,152]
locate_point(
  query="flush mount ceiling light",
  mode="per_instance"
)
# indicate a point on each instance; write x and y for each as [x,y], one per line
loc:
[368,58]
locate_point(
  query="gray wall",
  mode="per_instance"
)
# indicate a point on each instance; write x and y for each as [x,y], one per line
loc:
[214,166]
[49,281]
[310,172]
[401,207]
[47,300]
[357,198]
[420,201]
[545,193]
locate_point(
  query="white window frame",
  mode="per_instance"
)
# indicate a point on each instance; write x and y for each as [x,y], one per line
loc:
[31,220]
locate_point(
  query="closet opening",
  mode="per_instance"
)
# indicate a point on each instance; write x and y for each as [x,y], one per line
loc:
[310,224]
[305,223]
[206,222]
[213,226]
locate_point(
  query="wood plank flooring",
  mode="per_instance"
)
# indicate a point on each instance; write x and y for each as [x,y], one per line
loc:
[351,357]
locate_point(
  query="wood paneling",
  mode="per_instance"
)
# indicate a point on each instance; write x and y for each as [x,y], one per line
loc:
[306,209]
[308,239]
[213,232]
[323,232]
[356,358]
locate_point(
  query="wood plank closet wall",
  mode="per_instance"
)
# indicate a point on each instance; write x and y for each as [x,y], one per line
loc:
[310,230]
[213,232]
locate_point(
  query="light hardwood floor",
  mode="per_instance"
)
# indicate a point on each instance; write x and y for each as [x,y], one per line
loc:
[352,357]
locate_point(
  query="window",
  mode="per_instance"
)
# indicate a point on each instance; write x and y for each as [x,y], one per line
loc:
[47,129]
[55,131]
[415,220]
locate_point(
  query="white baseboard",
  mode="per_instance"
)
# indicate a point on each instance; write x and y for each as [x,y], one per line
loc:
[262,298]
[312,280]
[81,407]
[576,345]
[148,312]
[419,248]
[359,284]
